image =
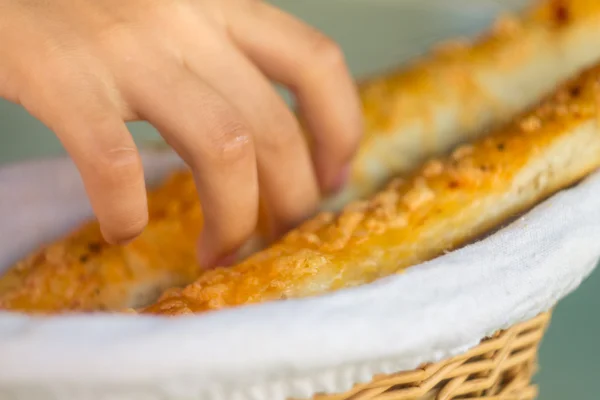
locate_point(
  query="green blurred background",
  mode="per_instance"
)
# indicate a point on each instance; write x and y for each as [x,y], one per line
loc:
[376,35]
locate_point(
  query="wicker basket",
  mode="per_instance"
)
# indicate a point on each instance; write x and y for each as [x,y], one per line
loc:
[499,368]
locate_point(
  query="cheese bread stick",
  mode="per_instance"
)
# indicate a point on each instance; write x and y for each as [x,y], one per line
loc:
[450,96]
[445,204]
[461,89]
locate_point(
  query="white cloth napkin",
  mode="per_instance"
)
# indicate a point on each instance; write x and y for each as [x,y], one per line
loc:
[285,349]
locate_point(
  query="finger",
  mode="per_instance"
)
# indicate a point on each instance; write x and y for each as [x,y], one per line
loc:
[214,141]
[288,184]
[313,67]
[95,136]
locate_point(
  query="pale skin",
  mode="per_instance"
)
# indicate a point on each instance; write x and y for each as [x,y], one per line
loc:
[199,71]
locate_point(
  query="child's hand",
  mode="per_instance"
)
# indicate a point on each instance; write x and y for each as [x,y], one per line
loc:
[199,71]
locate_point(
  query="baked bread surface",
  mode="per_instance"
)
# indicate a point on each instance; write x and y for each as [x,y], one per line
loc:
[83,273]
[462,88]
[448,97]
[446,203]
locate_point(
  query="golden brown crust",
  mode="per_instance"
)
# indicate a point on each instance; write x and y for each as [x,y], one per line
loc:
[443,205]
[461,88]
[466,82]
[82,272]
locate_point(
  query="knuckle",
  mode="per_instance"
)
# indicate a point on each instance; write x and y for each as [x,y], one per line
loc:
[65,66]
[118,164]
[327,54]
[78,83]
[122,158]
[135,35]
[231,144]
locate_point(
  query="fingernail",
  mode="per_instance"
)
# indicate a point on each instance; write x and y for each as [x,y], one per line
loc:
[205,256]
[213,263]
[341,179]
[226,261]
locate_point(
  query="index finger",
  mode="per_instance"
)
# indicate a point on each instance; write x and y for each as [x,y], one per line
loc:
[94,134]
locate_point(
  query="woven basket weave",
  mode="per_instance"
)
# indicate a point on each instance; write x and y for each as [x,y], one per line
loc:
[499,368]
